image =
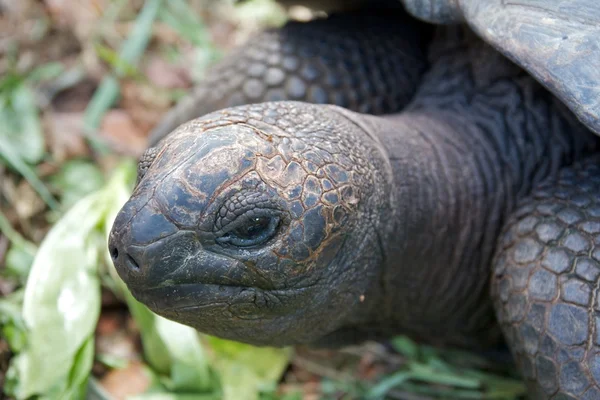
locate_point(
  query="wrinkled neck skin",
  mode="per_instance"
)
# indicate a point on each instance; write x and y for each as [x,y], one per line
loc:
[478,136]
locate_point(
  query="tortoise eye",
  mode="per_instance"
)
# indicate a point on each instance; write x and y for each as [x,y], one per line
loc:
[255,228]
[252,231]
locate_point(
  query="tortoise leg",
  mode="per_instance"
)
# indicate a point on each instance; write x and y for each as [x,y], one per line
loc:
[546,283]
[369,62]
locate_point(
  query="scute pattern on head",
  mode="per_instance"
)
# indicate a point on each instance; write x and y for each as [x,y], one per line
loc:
[309,180]
[313,161]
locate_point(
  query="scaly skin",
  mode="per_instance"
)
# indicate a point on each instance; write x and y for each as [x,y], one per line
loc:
[370,61]
[285,223]
[556,41]
[545,285]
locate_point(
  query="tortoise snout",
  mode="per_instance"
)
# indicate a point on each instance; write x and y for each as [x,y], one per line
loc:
[141,265]
[137,243]
[130,259]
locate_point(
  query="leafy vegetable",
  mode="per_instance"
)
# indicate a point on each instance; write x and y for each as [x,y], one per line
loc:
[20,255]
[62,298]
[12,325]
[246,370]
[228,370]
[21,126]
[76,179]
[21,138]
[174,350]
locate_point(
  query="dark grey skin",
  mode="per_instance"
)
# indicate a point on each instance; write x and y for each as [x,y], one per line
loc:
[284,223]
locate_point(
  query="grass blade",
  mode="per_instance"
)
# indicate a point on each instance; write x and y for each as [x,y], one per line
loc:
[10,155]
[132,50]
[26,136]
[381,388]
[428,374]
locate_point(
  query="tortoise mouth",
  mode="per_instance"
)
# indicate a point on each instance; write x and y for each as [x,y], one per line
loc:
[249,315]
[190,303]
[187,296]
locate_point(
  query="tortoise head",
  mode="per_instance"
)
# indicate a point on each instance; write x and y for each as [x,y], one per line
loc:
[256,223]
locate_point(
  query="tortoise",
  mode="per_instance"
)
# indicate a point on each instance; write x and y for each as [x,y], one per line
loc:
[370,174]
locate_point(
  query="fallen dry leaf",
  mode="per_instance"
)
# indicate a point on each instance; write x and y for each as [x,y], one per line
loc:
[146,104]
[64,135]
[74,98]
[129,381]
[79,16]
[166,75]
[117,344]
[109,299]
[119,130]
[114,340]
[26,201]
[109,323]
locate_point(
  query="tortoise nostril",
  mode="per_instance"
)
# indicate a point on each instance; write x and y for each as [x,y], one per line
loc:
[131,263]
[123,260]
[114,253]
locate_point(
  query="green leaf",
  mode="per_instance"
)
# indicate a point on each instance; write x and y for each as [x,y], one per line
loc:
[181,18]
[12,325]
[175,396]
[173,349]
[112,361]
[381,388]
[121,66]
[8,153]
[21,137]
[62,298]
[18,261]
[406,347]
[8,84]
[155,350]
[104,97]
[80,372]
[76,179]
[21,126]
[45,72]
[190,371]
[433,375]
[140,35]
[246,370]
[21,253]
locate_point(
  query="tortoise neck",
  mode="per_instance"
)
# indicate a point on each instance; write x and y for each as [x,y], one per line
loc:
[478,136]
